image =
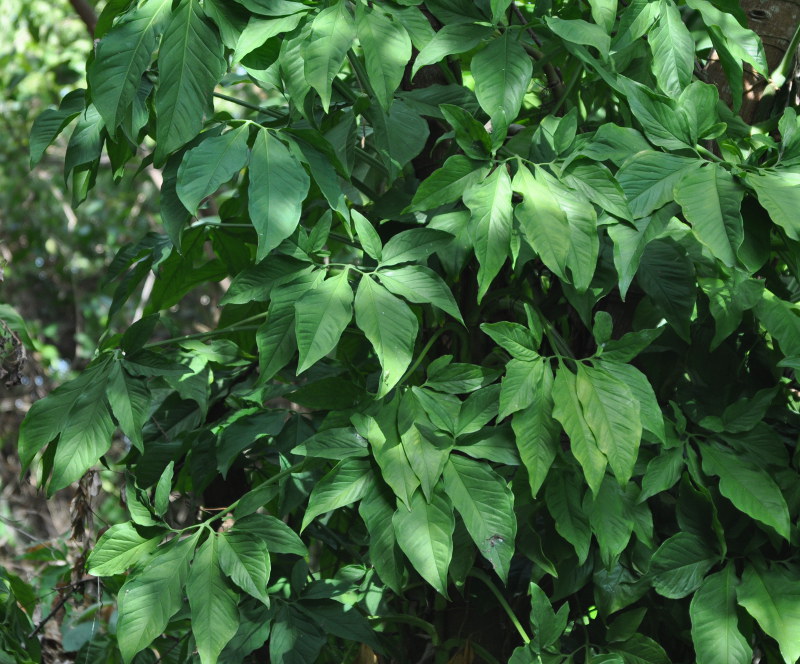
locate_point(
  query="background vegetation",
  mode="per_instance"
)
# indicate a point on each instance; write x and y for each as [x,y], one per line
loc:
[400,331]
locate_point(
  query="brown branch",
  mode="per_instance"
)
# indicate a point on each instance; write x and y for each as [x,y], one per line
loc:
[86,13]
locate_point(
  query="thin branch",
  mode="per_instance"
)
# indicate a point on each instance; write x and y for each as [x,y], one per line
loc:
[553,78]
[86,13]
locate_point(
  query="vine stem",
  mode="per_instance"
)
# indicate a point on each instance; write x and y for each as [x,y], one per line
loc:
[425,349]
[211,333]
[253,107]
[481,575]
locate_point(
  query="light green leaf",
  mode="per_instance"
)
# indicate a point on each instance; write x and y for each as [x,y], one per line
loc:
[387,50]
[489,202]
[205,167]
[562,494]
[332,35]
[662,473]
[502,72]
[420,285]
[212,601]
[190,64]
[679,565]
[51,122]
[711,201]
[278,186]
[367,235]
[477,410]
[568,410]
[451,39]
[518,387]
[278,537]
[772,597]
[122,57]
[426,453]
[151,596]
[425,534]
[391,328]
[448,183]
[715,629]
[517,339]
[120,547]
[779,192]
[597,184]
[673,49]
[662,121]
[321,316]
[275,340]
[129,399]
[345,484]
[244,558]
[612,413]
[750,489]
[579,31]
[648,179]
[485,502]
[536,432]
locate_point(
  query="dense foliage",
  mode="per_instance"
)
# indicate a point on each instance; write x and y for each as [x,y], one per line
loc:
[504,366]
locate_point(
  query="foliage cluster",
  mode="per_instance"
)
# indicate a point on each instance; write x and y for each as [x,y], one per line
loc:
[504,368]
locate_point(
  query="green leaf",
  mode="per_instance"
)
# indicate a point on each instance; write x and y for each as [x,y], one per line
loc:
[537,433]
[640,388]
[391,328]
[471,136]
[376,509]
[415,244]
[321,316]
[387,50]
[244,558]
[679,565]
[332,35]
[486,504]
[278,186]
[151,596]
[778,192]
[610,519]
[420,285]
[51,122]
[458,378]
[163,489]
[673,49]
[597,184]
[451,39]
[212,601]
[256,282]
[388,450]
[336,443]
[212,163]
[345,484]
[666,274]
[772,597]
[367,235]
[129,399]
[662,473]
[562,494]
[518,387]
[782,320]
[489,202]
[278,537]
[715,629]
[295,638]
[190,63]
[579,31]
[648,179]
[711,201]
[604,13]
[612,413]
[120,547]
[448,183]
[502,72]
[425,534]
[477,410]
[750,489]
[122,57]
[659,116]
[259,31]
[518,340]
[568,410]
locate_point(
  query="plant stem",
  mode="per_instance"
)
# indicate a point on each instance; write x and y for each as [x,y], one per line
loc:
[240,326]
[425,349]
[481,575]
[253,107]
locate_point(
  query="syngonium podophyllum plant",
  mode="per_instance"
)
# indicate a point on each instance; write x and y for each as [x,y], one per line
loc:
[503,370]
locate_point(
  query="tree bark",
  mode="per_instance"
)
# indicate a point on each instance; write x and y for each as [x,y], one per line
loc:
[86,13]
